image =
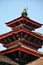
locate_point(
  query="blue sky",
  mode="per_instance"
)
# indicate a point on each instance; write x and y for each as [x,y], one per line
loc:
[11,9]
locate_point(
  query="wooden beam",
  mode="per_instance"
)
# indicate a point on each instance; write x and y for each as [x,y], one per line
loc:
[9,39]
[5,40]
[14,37]
[25,36]
[29,38]
[28,27]
[19,54]
[7,60]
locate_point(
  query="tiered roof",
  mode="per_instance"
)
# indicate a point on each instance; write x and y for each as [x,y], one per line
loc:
[21,40]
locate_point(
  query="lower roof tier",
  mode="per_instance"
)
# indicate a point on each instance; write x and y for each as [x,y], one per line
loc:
[18,57]
[13,36]
[21,54]
[21,57]
[19,49]
[22,48]
[4,60]
[9,61]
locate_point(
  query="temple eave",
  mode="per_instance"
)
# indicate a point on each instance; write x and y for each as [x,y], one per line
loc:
[22,48]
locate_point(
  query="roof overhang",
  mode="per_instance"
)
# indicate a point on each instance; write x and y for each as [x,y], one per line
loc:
[21,48]
[38,25]
[21,30]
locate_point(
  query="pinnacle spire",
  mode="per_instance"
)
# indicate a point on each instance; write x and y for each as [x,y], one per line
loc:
[24,13]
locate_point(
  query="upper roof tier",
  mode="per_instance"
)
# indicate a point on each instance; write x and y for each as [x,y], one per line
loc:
[24,20]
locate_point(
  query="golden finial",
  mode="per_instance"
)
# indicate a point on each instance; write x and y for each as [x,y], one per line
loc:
[24,12]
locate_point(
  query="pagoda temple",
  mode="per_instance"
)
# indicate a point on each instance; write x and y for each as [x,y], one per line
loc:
[22,43]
